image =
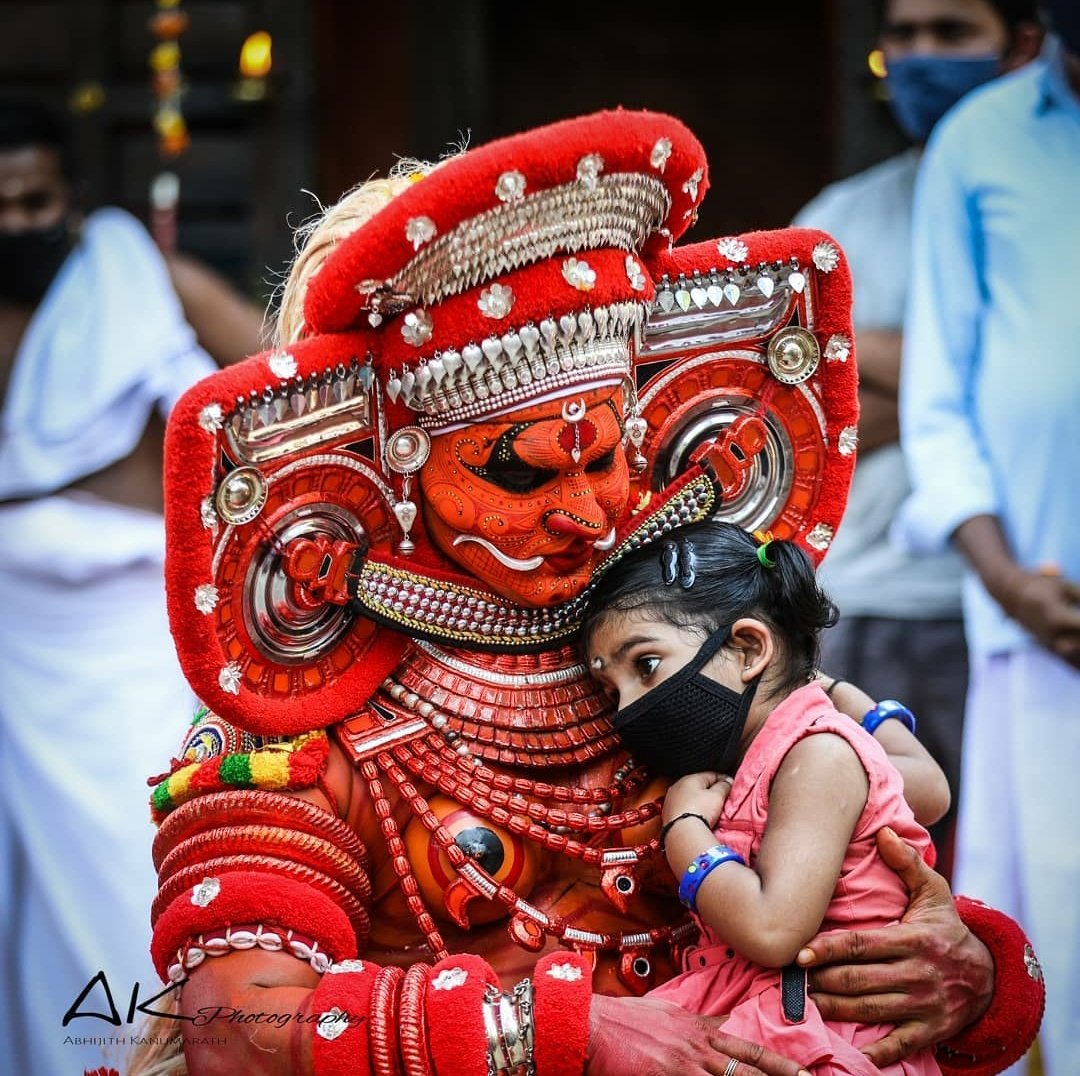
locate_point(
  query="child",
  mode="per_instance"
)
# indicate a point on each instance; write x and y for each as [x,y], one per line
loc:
[710,643]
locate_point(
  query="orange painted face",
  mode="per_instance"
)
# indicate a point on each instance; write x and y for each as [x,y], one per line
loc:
[528,502]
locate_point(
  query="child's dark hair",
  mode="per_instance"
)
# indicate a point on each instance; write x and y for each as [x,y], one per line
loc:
[706,575]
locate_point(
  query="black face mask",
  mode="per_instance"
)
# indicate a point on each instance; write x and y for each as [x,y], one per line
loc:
[688,723]
[30,260]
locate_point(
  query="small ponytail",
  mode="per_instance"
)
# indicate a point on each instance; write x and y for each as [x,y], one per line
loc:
[764,539]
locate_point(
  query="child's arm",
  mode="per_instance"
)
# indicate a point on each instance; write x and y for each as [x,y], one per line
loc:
[925,786]
[769,913]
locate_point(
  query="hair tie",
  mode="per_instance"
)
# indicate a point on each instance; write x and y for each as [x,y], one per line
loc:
[765,538]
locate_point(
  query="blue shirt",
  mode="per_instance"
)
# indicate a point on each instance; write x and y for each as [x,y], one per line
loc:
[990,390]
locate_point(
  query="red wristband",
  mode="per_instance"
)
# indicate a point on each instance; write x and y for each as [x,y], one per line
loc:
[455,1014]
[1003,1034]
[562,985]
[340,1013]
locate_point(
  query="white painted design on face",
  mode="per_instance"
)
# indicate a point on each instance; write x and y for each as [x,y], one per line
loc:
[504,559]
[606,543]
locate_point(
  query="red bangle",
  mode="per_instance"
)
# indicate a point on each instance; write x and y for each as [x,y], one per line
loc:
[562,985]
[382,1037]
[455,1020]
[412,1034]
[1004,1033]
[340,1011]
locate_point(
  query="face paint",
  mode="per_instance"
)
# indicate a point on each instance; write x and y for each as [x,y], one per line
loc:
[529,502]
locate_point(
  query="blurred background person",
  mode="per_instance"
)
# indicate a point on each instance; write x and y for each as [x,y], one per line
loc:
[94,350]
[901,633]
[990,409]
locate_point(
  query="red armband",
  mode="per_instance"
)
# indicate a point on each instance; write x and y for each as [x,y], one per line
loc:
[455,996]
[1004,1033]
[340,1013]
[562,984]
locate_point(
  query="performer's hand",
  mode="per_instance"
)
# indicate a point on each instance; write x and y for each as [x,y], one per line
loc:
[928,975]
[647,1037]
[702,793]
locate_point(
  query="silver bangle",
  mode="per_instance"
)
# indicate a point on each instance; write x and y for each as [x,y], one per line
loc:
[508,1025]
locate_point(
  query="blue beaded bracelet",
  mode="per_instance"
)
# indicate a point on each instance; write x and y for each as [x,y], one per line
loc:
[884,710]
[700,868]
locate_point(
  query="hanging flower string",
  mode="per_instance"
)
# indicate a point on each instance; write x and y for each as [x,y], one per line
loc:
[168,23]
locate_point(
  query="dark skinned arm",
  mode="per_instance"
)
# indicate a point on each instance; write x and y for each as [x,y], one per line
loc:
[228,326]
[879,384]
[1043,602]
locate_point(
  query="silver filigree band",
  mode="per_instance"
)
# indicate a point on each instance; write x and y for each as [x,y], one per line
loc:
[621,211]
[508,1025]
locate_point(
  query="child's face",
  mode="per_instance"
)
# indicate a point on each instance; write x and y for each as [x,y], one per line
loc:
[630,653]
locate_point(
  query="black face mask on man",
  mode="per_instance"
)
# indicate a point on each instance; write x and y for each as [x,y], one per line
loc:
[30,260]
[688,723]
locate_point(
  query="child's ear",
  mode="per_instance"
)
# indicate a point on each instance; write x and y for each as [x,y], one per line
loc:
[753,639]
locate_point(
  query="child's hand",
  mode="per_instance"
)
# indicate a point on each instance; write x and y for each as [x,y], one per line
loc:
[700,793]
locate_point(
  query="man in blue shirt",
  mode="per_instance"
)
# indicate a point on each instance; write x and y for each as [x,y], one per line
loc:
[990,415]
[901,633]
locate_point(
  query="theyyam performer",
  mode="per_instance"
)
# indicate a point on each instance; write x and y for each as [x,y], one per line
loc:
[402,837]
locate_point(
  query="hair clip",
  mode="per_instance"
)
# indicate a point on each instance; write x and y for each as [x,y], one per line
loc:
[765,538]
[678,563]
[669,559]
[687,565]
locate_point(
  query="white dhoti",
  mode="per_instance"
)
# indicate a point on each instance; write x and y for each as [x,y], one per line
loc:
[1017,842]
[92,701]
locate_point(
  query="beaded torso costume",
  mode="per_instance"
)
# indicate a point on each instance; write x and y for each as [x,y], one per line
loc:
[381,539]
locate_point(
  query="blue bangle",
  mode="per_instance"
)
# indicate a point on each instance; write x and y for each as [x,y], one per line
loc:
[700,868]
[883,711]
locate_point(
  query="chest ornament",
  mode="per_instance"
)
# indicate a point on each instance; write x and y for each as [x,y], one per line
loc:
[472,850]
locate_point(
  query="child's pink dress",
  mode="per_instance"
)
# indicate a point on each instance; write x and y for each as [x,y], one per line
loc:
[716,980]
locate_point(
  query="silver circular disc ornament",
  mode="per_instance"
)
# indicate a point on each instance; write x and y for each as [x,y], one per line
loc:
[793,355]
[241,496]
[771,474]
[408,450]
[285,629]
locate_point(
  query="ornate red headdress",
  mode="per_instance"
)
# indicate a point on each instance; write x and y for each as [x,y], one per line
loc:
[532,278]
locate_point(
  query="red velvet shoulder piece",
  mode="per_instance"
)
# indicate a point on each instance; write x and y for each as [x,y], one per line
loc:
[754,331]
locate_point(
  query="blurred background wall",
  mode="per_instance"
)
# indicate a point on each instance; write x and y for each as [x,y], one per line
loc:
[779,93]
